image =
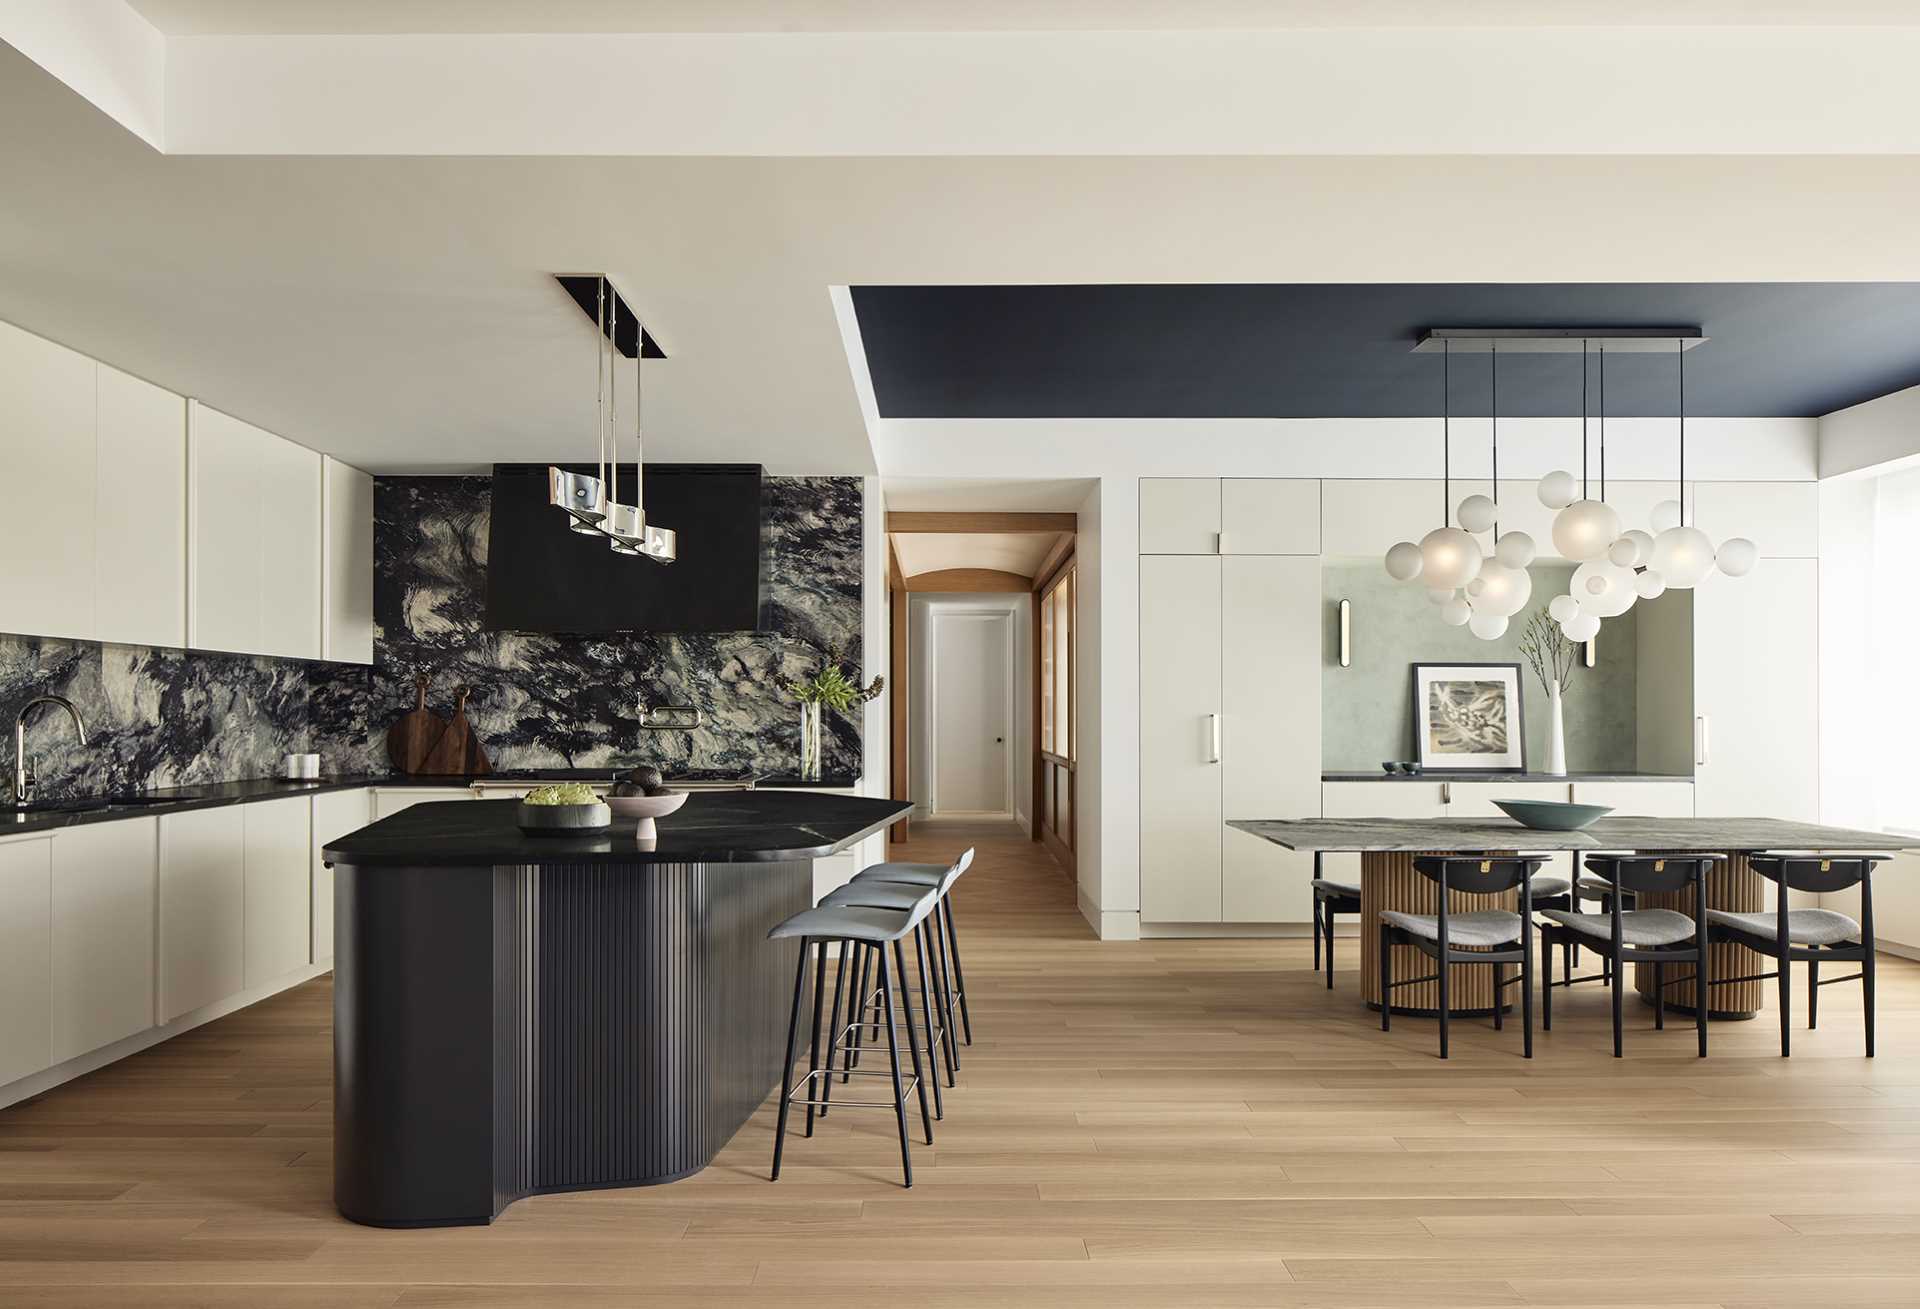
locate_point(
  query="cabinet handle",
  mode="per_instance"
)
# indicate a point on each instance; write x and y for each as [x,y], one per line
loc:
[1446,793]
[1213,738]
[1700,740]
[1219,543]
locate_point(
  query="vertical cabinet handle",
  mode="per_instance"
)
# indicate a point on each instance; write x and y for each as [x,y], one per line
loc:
[1213,738]
[1700,740]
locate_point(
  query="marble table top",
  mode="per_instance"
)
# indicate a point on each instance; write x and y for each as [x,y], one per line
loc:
[1487,835]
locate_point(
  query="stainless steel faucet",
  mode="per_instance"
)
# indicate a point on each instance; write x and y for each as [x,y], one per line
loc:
[23,774]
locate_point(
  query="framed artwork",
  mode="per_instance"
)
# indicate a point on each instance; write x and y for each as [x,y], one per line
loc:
[1466,718]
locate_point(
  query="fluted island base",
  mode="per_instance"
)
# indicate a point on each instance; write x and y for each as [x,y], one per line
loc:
[505,1031]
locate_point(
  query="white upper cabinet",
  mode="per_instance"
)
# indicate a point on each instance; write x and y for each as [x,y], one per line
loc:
[1639,799]
[349,564]
[26,962]
[47,473]
[140,517]
[279,896]
[1179,515]
[1782,518]
[254,515]
[104,877]
[1366,518]
[1269,516]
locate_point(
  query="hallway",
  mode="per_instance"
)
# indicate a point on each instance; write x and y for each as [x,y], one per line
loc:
[1170,1123]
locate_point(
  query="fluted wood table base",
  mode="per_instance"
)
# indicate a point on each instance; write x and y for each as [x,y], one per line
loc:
[1731,885]
[1388,881]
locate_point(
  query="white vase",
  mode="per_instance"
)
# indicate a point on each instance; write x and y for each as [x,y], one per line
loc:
[1556,733]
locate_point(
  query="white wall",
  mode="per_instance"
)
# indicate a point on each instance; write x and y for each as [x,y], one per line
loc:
[921,608]
[1118,453]
[1866,438]
[875,603]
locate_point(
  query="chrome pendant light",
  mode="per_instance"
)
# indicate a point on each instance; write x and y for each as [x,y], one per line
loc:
[585,497]
[625,525]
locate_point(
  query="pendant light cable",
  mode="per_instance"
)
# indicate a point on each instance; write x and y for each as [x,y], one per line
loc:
[1585,355]
[600,379]
[1603,420]
[1493,354]
[613,399]
[1680,490]
[1446,432]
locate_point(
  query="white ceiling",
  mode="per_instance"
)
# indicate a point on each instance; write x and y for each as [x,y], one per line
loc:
[288,17]
[1019,553]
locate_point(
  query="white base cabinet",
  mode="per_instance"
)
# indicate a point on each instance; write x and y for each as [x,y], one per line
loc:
[388,801]
[335,814]
[26,957]
[279,892]
[104,879]
[202,908]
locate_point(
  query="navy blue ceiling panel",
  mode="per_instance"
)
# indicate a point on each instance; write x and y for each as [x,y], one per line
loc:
[1779,349]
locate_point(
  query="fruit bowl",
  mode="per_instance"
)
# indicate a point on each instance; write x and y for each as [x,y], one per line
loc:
[563,819]
[1553,815]
[646,808]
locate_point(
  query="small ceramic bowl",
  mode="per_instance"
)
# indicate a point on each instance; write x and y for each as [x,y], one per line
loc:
[562,819]
[1553,815]
[646,808]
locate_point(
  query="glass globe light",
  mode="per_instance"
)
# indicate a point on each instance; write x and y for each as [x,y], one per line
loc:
[1582,627]
[1563,608]
[1476,513]
[1503,591]
[1682,555]
[1736,556]
[1584,529]
[1514,549]
[1632,549]
[1605,589]
[1455,612]
[1558,490]
[1439,596]
[1477,585]
[1449,558]
[1666,514]
[1404,562]
[1488,627]
[1650,585]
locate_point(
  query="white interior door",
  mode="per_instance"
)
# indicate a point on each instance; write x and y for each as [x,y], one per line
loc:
[972,717]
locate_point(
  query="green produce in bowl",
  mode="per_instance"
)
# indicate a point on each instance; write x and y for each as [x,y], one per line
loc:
[562,793]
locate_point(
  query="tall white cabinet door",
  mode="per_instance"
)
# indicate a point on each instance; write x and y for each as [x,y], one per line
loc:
[227,564]
[279,893]
[1269,516]
[46,493]
[140,522]
[1383,799]
[289,545]
[103,918]
[1756,693]
[26,957]
[1639,799]
[1270,729]
[1179,515]
[202,908]
[1180,772]
[335,814]
[349,564]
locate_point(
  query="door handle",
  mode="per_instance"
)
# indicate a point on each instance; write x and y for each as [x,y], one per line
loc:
[1213,738]
[1700,740]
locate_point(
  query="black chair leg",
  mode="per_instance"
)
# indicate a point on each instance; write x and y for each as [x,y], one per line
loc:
[1785,962]
[1446,1000]
[927,1007]
[1386,979]
[1499,995]
[1613,988]
[1700,998]
[813,1050]
[1526,992]
[1659,997]
[857,1007]
[1866,988]
[945,908]
[1318,910]
[1546,987]
[893,1055]
[946,993]
[913,1040]
[1329,922]
[834,1026]
[786,1069]
[1569,952]
[1813,994]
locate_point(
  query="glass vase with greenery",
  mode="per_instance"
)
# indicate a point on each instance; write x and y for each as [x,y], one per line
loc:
[828,688]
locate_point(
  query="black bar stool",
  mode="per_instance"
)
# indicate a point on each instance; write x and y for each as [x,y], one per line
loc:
[869,931]
[1638,936]
[944,929]
[1496,937]
[1809,936]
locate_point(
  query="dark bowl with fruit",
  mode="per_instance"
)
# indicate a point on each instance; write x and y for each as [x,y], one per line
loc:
[644,795]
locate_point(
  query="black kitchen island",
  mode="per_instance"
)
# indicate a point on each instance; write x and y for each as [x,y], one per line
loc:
[518,1014]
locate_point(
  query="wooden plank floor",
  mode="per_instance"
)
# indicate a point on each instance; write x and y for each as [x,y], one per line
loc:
[1183,1123]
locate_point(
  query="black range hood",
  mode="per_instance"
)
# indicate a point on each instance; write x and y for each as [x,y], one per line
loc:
[542,577]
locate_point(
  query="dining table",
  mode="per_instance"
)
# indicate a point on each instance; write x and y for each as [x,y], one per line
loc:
[1388,880]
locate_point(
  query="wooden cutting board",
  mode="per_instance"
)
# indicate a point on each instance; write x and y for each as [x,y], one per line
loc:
[458,751]
[413,737]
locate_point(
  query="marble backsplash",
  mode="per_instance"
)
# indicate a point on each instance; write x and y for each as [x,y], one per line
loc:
[166,717]
[543,700]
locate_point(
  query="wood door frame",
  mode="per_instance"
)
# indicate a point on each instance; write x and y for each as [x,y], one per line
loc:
[1061,558]
[901,588]
[934,620]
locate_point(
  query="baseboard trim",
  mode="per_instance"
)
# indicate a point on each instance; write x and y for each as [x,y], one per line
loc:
[1225,931]
[80,1065]
[1114,925]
